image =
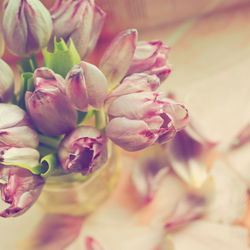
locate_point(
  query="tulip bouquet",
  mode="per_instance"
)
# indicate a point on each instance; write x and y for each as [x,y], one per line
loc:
[65,111]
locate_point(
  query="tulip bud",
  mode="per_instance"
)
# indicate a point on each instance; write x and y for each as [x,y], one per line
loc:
[27,26]
[139,82]
[6,82]
[80,20]
[19,156]
[86,85]
[48,105]
[139,120]
[84,150]
[150,57]
[20,188]
[15,128]
[117,58]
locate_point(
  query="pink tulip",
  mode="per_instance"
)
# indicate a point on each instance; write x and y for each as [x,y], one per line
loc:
[138,82]
[27,26]
[20,188]
[151,58]
[48,105]
[84,150]
[15,128]
[141,119]
[6,82]
[117,58]
[86,85]
[79,20]
[19,156]
[188,154]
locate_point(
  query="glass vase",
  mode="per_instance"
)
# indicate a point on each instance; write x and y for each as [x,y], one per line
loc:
[77,195]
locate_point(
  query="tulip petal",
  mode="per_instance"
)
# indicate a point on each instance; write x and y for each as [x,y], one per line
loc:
[54,232]
[178,113]
[84,150]
[96,84]
[205,235]
[135,83]
[10,115]
[151,58]
[117,58]
[21,190]
[92,244]
[66,16]
[135,106]
[6,82]
[20,156]
[27,22]
[131,135]
[21,136]
[51,106]
[98,21]
[45,77]
[15,129]
[76,88]
[82,34]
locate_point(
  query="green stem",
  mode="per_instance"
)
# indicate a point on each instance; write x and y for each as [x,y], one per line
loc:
[49,141]
[26,85]
[28,64]
[100,119]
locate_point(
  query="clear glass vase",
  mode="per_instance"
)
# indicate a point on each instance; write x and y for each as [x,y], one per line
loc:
[74,194]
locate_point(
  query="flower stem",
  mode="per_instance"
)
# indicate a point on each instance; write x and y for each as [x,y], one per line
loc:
[49,141]
[100,119]
[28,64]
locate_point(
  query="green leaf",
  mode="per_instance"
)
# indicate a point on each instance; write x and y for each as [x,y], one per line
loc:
[49,164]
[63,58]
[27,84]
[35,169]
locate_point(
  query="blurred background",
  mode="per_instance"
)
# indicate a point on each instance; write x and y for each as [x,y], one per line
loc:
[210,57]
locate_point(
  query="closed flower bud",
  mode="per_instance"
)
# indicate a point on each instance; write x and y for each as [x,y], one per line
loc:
[15,128]
[6,82]
[151,58]
[86,85]
[20,188]
[80,20]
[84,150]
[141,119]
[138,82]
[117,58]
[19,156]
[48,105]
[27,26]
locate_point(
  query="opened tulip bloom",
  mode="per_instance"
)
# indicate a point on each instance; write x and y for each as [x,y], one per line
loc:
[141,119]
[86,85]
[20,188]
[6,82]
[83,151]
[79,20]
[27,26]
[15,128]
[188,154]
[48,105]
